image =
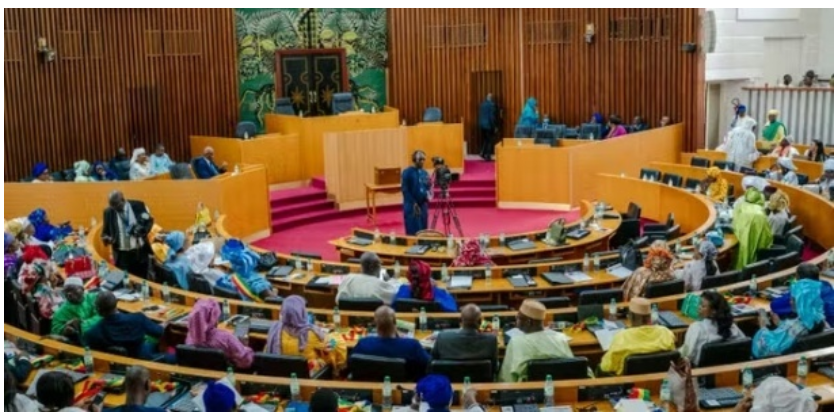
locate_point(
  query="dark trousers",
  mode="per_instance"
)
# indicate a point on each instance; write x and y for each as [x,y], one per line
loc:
[487,142]
[134,262]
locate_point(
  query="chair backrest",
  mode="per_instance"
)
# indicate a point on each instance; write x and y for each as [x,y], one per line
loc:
[725,353]
[558,129]
[374,369]
[359,304]
[267,364]
[457,370]
[409,305]
[671,179]
[560,369]
[652,174]
[794,244]
[758,268]
[589,130]
[223,292]
[721,280]
[555,302]
[122,169]
[785,261]
[802,179]
[791,224]
[522,131]
[164,274]
[663,289]
[634,211]
[246,127]
[342,102]
[627,231]
[493,308]
[724,165]
[181,171]
[699,162]
[284,106]
[199,284]
[641,364]
[308,255]
[692,184]
[599,296]
[814,341]
[201,357]
[432,114]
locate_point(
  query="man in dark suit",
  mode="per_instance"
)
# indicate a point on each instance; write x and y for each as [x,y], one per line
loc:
[467,343]
[205,167]
[125,229]
[488,126]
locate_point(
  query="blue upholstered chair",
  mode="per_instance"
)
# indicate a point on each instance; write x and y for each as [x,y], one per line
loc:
[432,114]
[284,106]
[245,127]
[522,131]
[342,102]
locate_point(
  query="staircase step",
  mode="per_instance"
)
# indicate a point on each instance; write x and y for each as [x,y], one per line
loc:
[323,205]
[295,196]
[318,183]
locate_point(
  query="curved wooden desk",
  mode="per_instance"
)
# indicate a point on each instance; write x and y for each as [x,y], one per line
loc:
[566,392]
[810,168]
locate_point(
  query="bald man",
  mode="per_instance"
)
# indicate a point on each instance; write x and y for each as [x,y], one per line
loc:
[467,343]
[205,167]
[388,344]
[137,389]
[368,284]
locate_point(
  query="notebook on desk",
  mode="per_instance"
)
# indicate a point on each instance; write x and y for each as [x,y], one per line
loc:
[605,337]
[619,271]
[562,278]
[520,245]
[578,234]
[417,249]
[521,281]
[461,282]
[360,241]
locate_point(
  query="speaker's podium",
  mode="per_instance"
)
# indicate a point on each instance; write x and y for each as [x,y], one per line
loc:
[387,180]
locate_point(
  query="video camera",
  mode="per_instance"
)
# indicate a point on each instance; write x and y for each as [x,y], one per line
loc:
[441,173]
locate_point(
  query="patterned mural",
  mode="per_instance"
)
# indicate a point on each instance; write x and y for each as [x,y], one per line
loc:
[260,32]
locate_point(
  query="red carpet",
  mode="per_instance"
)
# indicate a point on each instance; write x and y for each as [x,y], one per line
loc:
[313,237]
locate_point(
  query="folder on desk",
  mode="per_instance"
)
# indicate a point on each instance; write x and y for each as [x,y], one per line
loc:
[605,337]
[461,282]
[619,271]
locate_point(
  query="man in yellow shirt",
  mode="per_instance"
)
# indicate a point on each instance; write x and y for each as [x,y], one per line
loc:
[641,338]
[535,344]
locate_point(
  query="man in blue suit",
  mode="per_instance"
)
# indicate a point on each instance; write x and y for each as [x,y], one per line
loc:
[488,126]
[415,188]
[205,167]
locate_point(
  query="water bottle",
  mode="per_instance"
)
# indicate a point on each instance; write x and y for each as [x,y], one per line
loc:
[231,376]
[298,264]
[754,286]
[246,135]
[655,314]
[392,237]
[612,311]
[377,235]
[519,142]
[82,239]
[396,270]
[586,263]
[126,282]
[677,248]
[466,384]
[450,242]
[597,262]
[488,274]
[502,238]
[295,389]
[495,323]
[336,318]
[747,378]
[166,293]
[423,319]
[387,395]
[311,319]
[445,275]
[300,114]
[88,360]
[802,370]
[216,215]
[665,395]
[225,314]
[548,392]
[144,292]
[93,222]
[237,169]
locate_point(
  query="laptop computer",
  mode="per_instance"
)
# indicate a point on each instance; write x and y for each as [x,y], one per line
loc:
[360,241]
[461,282]
[280,272]
[576,234]
[520,245]
[417,250]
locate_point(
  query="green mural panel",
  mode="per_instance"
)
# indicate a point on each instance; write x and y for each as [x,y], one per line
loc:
[260,32]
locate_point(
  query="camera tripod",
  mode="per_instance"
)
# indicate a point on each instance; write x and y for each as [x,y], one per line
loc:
[446,209]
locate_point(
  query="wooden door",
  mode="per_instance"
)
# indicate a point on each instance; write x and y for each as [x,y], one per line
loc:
[482,84]
[311,77]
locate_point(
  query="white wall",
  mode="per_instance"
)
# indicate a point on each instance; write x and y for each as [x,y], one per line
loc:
[743,41]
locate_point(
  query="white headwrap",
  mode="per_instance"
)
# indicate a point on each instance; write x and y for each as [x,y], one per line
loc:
[200,256]
[137,152]
[754,181]
[787,163]
[747,124]
[776,394]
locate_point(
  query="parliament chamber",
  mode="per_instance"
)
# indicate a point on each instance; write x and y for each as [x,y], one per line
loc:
[292,259]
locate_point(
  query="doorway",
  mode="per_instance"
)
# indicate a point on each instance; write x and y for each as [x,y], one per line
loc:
[482,84]
[713,115]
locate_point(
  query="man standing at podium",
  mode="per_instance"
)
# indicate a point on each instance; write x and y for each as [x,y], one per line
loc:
[415,188]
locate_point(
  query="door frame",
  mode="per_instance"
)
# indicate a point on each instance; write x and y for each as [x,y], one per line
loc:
[279,74]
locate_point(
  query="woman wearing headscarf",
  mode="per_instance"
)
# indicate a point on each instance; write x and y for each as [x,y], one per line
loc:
[774,131]
[751,227]
[741,145]
[655,269]
[176,259]
[204,332]
[810,319]
[421,287]
[250,284]
[10,257]
[615,127]
[101,173]
[815,152]
[784,171]
[702,265]
[471,255]
[35,279]
[777,394]
[22,229]
[715,186]
[140,166]
[82,169]
[294,335]
[44,230]
[200,258]
[715,325]
[778,208]
[40,173]
[785,149]
[529,115]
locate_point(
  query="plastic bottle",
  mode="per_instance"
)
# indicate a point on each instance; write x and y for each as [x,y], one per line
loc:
[166,293]
[548,392]
[450,242]
[377,235]
[754,286]
[495,323]
[144,292]
[445,274]
[665,395]
[423,319]
[88,360]
[488,274]
[655,314]
[392,237]
[298,264]
[126,282]
[231,375]
[802,370]
[226,313]
[311,319]
[747,378]
[295,397]
[336,318]
[396,270]
[387,395]
[597,262]
[586,264]
[466,384]
[612,311]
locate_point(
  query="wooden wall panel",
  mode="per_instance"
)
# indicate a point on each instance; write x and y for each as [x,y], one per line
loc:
[635,65]
[122,77]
